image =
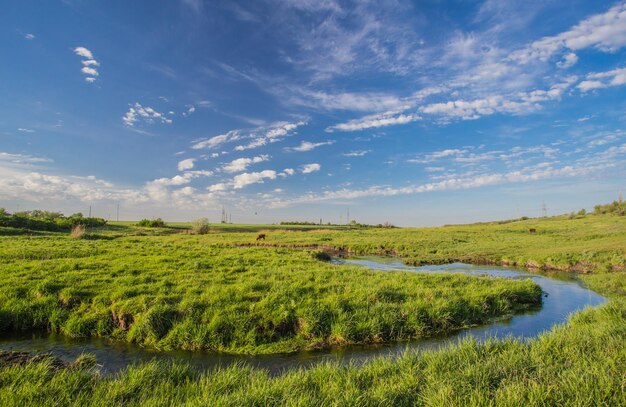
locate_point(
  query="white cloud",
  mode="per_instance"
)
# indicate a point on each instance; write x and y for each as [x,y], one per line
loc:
[271,134]
[357,153]
[568,61]
[519,103]
[428,158]
[308,146]
[240,164]
[29,36]
[539,172]
[242,180]
[309,168]
[24,130]
[89,71]
[89,64]
[218,187]
[605,32]
[138,113]
[190,110]
[289,171]
[21,159]
[83,52]
[186,164]
[215,141]
[375,121]
[598,80]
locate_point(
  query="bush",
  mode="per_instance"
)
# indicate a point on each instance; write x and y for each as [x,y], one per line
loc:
[200,226]
[322,256]
[78,231]
[151,223]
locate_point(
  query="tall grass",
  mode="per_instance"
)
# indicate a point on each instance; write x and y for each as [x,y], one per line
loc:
[182,293]
[580,364]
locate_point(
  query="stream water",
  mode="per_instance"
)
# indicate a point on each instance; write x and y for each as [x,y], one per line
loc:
[563,295]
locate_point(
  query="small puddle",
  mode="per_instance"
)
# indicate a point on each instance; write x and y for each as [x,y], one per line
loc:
[563,296]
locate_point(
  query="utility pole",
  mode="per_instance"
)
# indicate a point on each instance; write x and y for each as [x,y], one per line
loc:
[348,216]
[90,211]
[118,212]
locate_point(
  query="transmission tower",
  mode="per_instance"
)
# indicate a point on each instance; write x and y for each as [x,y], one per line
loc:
[224,217]
[544,209]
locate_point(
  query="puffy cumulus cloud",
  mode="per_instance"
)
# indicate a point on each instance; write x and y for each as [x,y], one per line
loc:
[83,52]
[598,80]
[568,61]
[309,168]
[248,178]
[89,71]
[138,113]
[89,64]
[240,164]
[186,164]
[605,32]
[375,121]
[35,186]
[308,146]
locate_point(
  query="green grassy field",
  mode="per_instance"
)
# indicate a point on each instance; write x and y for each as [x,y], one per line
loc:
[52,281]
[186,291]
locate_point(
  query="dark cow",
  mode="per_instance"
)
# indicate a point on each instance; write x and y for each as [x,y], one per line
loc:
[532,230]
[261,236]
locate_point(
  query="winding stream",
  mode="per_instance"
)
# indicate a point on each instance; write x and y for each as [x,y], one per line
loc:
[563,295]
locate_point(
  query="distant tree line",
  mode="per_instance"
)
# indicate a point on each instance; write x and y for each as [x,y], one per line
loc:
[47,221]
[616,207]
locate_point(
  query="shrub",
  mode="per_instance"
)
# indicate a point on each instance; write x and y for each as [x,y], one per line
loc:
[151,223]
[200,226]
[322,256]
[78,231]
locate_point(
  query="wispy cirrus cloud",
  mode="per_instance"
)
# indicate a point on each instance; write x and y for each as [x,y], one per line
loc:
[375,121]
[605,32]
[308,146]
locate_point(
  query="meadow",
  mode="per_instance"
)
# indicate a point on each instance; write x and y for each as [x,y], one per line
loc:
[174,286]
[188,292]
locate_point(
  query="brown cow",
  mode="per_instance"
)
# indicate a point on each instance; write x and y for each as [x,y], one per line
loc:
[532,230]
[261,236]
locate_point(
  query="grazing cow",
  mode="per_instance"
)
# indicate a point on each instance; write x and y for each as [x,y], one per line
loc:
[261,236]
[532,230]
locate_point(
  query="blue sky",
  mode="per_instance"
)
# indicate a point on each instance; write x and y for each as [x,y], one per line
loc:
[420,113]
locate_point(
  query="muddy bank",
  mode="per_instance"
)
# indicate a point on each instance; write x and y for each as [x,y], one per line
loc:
[10,359]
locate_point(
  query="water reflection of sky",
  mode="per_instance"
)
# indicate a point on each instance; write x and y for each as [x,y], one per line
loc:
[563,296]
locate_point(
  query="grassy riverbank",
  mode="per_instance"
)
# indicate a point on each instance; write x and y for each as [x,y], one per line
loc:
[182,292]
[581,363]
